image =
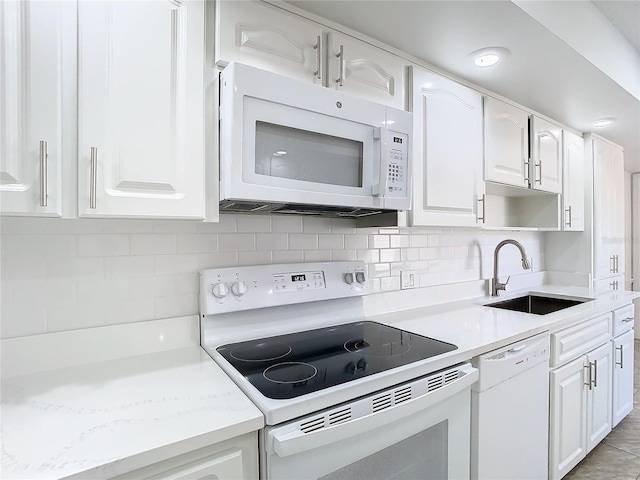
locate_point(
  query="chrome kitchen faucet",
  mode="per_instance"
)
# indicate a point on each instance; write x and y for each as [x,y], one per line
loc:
[496,286]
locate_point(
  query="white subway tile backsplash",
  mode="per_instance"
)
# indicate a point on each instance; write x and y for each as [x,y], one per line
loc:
[89,272]
[303,241]
[236,242]
[153,244]
[317,255]
[134,265]
[286,224]
[106,245]
[171,264]
[330,242]
[253,223]
[196,243]
[272,241]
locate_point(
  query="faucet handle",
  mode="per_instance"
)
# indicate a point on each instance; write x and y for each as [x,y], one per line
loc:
[505,283]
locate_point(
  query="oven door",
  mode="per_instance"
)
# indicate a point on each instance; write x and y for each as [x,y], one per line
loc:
[283,141]
[420,429]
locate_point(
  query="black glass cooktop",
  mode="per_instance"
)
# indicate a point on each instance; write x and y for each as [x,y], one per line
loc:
[295,364]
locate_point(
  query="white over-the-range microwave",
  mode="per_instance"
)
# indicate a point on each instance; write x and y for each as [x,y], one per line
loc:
[291,147]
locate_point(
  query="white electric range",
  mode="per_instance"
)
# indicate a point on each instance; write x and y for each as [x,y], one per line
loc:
[341,395]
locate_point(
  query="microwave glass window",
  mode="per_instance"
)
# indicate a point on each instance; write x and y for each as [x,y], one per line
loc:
[296,154]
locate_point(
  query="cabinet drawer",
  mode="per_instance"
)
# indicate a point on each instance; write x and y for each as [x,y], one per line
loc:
[623,319]
[571,342]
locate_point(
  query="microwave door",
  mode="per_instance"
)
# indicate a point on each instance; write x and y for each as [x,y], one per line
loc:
[292,155]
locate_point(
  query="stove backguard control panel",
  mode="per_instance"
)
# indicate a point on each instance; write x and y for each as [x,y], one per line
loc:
[233,289]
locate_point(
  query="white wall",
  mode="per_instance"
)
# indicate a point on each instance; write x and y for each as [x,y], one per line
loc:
[60,274]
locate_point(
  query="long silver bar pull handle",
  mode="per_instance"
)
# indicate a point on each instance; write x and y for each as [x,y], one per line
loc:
[44,157]
[612,264]
[340,55]
[568,210]
[621,356]
[539,166]
[483,200]
[617,259]
[595,373]
[588,382]
[93,181]
[318,48]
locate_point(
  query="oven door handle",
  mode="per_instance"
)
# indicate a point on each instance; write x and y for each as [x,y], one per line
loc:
[287,443]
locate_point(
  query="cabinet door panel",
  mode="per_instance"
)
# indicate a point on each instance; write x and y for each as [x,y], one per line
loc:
[573,182]
[599,396]
[447,151]
[567,436]
[265,37]
[31,63]
[623,356]
[367,71]
[141,107]
[546,156]
[506,143]
[608,188]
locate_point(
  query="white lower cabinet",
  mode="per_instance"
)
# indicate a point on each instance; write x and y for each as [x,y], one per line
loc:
[622,376]
[234,459]
[581,390]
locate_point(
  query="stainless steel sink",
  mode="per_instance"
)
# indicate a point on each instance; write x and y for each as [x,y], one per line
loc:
[537,304]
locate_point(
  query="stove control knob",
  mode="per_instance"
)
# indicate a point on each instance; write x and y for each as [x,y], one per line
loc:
[360,278]
[239,288]
[220,290]
[348,278]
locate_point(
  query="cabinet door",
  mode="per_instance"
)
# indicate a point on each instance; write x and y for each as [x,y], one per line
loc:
[622,376]
[599,395]
[506,138]
[266,37]
[141,109]
[31,63]
[608,209]
[447,152]
[546,156]
[573,182]
[568,404]
[364,70]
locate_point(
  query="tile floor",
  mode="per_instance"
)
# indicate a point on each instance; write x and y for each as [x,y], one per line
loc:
[618,455]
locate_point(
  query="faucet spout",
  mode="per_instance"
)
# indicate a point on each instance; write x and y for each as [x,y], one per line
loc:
[496,286]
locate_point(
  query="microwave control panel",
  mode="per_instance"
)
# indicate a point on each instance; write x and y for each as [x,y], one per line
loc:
[397,173]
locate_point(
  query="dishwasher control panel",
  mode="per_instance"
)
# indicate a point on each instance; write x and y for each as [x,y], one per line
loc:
[508,361]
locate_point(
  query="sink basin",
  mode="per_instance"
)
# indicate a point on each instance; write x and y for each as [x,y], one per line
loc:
[536,304]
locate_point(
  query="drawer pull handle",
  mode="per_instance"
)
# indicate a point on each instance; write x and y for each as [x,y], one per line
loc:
[628,319]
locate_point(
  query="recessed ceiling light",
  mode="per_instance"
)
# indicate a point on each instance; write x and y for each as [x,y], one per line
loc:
[603,122]
[488,56]
[486,60]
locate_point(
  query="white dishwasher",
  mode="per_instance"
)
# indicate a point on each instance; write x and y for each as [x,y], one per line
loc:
[510,412]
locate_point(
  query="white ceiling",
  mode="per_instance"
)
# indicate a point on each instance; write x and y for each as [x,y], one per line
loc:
[559,75]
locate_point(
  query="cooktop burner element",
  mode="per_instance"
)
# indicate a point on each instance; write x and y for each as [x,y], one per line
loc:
[299,363]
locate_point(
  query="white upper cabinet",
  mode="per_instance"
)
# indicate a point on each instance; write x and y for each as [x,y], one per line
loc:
[265,37]
[141,109]
[573,162]
[447,167]
[270,38]
[359,68]
[546,156]
[608,209]
[506,146]
[31,62]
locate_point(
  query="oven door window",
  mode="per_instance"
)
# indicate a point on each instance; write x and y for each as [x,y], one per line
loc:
[289,148]
[423,455]
[287,152]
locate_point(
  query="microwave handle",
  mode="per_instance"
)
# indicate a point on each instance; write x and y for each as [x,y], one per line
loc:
[379,189]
